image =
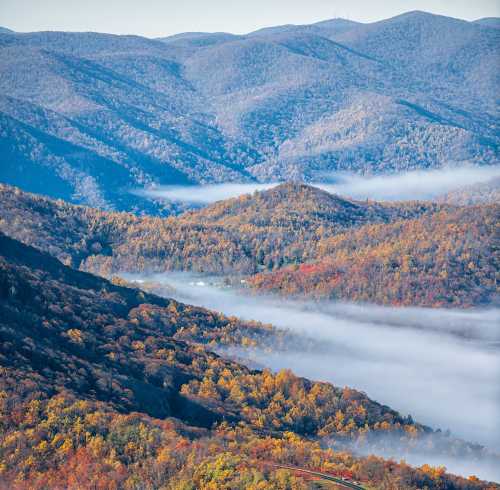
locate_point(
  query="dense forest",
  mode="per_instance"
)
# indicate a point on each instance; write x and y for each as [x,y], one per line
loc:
[246,234]
[101,390]
[412,253]
[353,341]
[448,258]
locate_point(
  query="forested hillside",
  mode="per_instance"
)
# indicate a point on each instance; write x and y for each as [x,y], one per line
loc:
[158,334]
[242,235]
[85,365]
[448,258]
[87,117]
[82,334]
[413,253]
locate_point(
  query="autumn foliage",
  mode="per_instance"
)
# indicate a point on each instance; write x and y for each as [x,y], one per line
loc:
[447,258]
[99,391]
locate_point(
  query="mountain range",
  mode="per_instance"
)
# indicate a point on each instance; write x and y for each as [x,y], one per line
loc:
[88,117]
[107,382]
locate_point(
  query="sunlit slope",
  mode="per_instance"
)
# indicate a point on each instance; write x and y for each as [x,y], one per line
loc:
[300,239]
[245,234]
[449,258]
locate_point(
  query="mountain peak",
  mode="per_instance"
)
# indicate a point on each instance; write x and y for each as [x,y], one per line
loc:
[297,191]
[336,22]
[323,27]
[416,14]
[288,205]
[420,16]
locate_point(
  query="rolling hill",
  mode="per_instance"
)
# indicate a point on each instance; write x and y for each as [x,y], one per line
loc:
[88,117]
[292,239]
[448,258]
[242,235]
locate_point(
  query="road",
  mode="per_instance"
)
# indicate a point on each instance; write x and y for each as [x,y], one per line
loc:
[324,476]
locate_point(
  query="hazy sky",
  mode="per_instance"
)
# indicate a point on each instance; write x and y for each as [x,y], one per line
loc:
[163,17]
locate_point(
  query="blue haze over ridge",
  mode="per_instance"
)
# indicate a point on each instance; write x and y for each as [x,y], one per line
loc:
[87,116]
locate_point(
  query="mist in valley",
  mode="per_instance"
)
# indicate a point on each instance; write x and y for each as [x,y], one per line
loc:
[202,194]
[440,366]
[412,185]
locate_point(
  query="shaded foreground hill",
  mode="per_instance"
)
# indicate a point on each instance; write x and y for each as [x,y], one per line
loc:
[86,363]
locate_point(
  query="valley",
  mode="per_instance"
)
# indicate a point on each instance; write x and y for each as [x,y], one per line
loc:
[117,357]
[257,261]
[348,344]
[366,346]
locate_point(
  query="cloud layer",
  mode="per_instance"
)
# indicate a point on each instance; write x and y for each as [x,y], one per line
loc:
[203,194]
[421,184]
[397,355]
[440,366]
[418,184]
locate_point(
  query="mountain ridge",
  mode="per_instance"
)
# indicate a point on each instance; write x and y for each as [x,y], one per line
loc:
[288,103]
[429,261]
[292,239]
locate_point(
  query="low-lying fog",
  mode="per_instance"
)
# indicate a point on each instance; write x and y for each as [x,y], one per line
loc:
[418,184]
[202,194]
[440,366]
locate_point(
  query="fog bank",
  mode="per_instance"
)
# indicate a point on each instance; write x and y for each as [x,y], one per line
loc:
[440,366]
[203,194]
[389,447]
[418,184]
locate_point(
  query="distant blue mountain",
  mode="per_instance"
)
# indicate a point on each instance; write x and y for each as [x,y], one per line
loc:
[325,28]
[88,116]
[489,22]
[198,39]
[4,30]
